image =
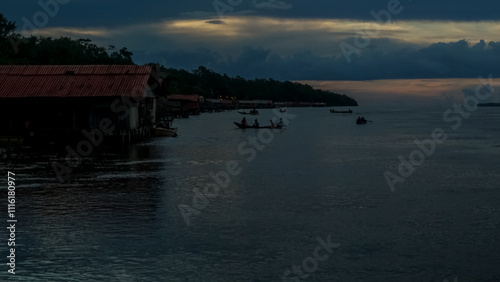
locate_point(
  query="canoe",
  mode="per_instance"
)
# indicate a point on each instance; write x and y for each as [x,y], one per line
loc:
[249,113]
[340,112]
[240,125]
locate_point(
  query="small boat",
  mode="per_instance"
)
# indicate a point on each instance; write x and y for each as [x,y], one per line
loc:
[252,112]
[243,126]
[165,129]
[361,120]
[166,132]
[283,110]
[333,111]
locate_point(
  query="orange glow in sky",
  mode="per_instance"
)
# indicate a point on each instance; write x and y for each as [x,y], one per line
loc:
[413,91]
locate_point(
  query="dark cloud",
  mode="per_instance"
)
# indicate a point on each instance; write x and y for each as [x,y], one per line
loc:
[271,5]
[459,10]
[215,22]
[279,50]
[440,60]
[93,13]
[109,13]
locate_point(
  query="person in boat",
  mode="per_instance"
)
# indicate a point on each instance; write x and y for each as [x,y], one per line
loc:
[272,123]
[280,123]
[256,123]
[244,121]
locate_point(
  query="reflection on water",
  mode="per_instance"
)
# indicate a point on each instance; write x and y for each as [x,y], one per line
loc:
[118,218]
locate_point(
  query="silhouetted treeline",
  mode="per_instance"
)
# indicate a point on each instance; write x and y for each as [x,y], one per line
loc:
[210,84]
[16,49]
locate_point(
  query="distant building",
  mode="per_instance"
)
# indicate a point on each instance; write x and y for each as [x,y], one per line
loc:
[318,104]
[183,105]
[48,103]
[285,104]
[249,104]
[216,105]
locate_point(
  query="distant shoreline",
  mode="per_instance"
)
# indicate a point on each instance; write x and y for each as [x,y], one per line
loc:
[488,105]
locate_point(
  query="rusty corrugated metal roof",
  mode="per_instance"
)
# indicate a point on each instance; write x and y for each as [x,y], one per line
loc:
[73,81]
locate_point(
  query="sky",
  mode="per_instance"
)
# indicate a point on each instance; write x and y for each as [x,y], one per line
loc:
[370,49]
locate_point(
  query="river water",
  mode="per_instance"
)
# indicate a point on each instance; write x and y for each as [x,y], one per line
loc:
[308,202]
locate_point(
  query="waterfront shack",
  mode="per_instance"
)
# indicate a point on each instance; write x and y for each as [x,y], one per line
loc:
[183,105]
[58,103]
